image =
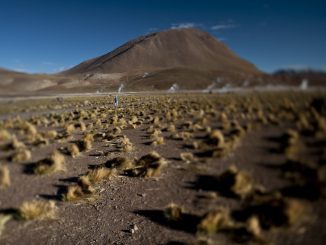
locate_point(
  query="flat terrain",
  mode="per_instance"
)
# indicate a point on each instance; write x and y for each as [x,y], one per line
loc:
[227,169]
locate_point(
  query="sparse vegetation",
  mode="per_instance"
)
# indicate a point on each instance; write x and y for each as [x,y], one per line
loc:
[120,163]
[3,220]
[21,155]
[100,174]
[274,139]
[149,165]
[187,157]
[4,135]
[173,212]
[38,210]
[215,221]
[4,176]
[79,192]
[55,163]
[73,150]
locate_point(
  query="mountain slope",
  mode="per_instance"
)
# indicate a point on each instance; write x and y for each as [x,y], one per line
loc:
[190,48]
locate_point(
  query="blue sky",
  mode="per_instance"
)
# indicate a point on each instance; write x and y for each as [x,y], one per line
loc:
[48,36]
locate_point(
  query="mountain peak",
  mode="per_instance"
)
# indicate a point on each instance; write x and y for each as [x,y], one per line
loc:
[187,48]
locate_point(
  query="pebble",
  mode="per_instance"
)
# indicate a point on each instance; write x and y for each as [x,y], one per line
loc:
[133,229]
[141,194]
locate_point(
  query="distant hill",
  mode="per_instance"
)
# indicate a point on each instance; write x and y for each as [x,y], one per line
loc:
[12,82]
[314,76]
[288,76]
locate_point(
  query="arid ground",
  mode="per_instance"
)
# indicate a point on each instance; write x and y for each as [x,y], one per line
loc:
[246,168]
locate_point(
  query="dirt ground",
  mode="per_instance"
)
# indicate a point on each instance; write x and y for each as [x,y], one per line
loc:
[129,209]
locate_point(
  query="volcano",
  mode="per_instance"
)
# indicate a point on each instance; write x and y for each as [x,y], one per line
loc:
[171,49]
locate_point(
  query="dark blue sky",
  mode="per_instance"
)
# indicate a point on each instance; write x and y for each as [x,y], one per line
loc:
[47,36]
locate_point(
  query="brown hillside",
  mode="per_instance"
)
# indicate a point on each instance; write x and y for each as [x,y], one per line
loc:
[190,48]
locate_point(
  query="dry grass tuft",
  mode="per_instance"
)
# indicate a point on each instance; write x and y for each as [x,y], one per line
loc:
[4,135]
[196,145]
[21,155]
[243,185]
[55,163]
[38,140]
[125,144]
[87,142]
[156,137]
[77,192]
[145,160]
[173,212]
[181,135]
[253,226]
[187,157]
[52,134]
[216,138]
[149,165]
[151,129]
[295,211]
[4,176]
[16,144]
[116,131]
[127,148]
[291,136]
[29,128]
[100,174]
[81,126]
[3,220]
[89,137]
[58,159]
[278,211]
[69,129]
[73,150]
[38,210]
[171,128]
[236,181]
[215,221]
[157,140]
[85,183]
[120,163]
[156,121]
[134,122]
[87,145]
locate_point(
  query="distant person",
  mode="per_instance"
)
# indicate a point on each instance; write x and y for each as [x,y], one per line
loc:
[116,101]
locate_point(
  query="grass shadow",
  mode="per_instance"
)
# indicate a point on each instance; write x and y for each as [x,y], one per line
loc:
[62,189]
[212,183]
[29,168]
[188,222]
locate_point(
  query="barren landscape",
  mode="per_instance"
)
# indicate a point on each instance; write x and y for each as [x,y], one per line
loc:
[231,168]
[162,122]
[188,59]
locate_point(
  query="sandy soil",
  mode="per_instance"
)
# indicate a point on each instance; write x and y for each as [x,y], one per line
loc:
[125,202]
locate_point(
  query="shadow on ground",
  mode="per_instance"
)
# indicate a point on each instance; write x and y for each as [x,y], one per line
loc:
[188,223]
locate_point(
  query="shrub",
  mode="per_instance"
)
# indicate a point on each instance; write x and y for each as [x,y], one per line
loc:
[215,221]
[4,135]
[21,155]
[100,174]
[38,210]
[55,163]
[4,176]
[73,150]
[173,212]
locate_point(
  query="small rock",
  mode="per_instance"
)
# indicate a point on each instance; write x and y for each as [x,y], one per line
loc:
[133,228]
